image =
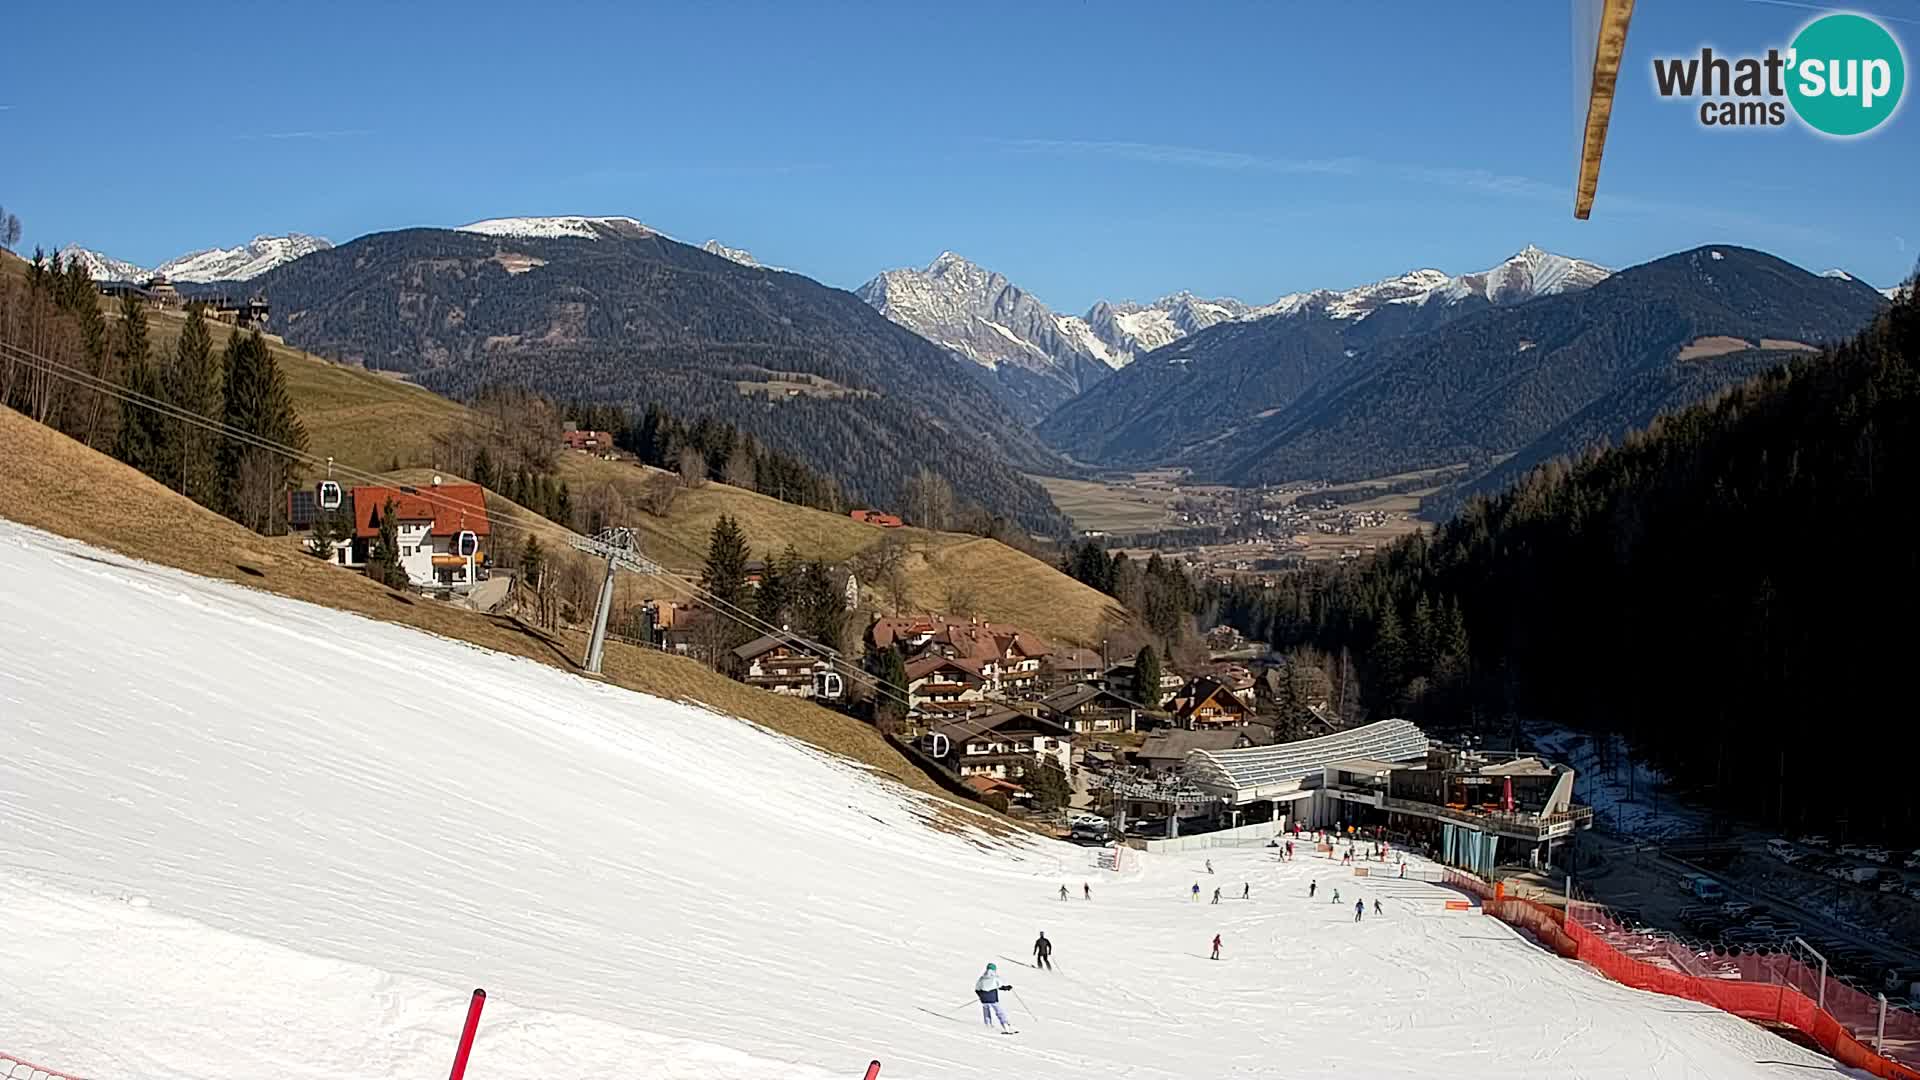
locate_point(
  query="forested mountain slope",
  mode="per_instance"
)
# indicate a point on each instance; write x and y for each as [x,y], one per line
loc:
[1726,589]
[621,315]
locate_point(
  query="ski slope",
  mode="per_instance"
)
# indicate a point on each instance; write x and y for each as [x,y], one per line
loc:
[244,836]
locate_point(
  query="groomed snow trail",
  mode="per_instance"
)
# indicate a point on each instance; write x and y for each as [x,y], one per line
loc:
[246,836]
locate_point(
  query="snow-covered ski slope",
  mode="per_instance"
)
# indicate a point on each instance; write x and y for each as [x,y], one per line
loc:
[244,836]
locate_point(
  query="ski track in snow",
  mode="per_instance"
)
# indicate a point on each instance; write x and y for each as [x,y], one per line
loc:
[245,836]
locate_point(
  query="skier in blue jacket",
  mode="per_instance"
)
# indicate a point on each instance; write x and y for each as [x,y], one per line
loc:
[987,989]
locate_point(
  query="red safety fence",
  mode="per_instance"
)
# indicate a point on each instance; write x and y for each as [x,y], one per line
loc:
[1764,987]
[13,1068]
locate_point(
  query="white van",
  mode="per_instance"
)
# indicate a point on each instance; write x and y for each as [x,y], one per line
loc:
[1781,849]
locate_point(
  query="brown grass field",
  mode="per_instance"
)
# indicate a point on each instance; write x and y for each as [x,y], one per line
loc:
[53,483]
[1105,507]
[371,422]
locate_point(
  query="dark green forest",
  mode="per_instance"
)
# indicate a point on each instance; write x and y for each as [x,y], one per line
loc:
[1728,589]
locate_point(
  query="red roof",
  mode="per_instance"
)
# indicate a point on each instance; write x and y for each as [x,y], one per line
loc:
[451,508]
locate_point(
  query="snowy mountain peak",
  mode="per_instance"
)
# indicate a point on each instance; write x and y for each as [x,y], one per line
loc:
[739,255]
[102,267]
[249,260]
[549,228]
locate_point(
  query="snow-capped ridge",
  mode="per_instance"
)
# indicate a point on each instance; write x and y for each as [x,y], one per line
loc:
[731,254]
[550,228]
[242,263]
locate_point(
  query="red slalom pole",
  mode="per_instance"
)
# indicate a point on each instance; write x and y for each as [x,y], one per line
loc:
[873,1069]
[466,1034]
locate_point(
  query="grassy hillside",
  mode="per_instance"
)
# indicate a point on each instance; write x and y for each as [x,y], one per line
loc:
[56,484]
[377,423]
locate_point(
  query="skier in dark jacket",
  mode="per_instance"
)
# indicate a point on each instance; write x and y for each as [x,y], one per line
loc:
[1312,887]
[1359,909]
[1043,952]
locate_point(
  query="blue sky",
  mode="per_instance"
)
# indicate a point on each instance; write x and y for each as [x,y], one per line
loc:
[1086,149]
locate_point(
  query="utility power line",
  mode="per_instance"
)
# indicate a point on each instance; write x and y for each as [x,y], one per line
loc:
[690,589]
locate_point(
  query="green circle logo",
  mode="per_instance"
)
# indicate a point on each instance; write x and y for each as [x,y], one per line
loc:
[1847,74]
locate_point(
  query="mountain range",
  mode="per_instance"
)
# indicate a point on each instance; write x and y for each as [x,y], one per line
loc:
[242,263]
[956,367]
[1542,357]
[1039,360]
[607,310]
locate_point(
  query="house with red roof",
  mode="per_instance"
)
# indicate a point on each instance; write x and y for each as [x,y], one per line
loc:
[948,686]
[430,525]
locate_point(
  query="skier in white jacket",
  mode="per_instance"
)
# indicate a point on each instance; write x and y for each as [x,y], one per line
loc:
[987,988]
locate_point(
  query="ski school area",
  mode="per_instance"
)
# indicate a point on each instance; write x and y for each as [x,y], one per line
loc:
[244,836]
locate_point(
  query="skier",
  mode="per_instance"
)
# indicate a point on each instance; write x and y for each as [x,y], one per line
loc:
[1312,887]
[1336,895]
[1403,869]
[1289,849]
[1216,895]
[1086,891]
[1063,893]
[1359,909]
[1196,892]
[1043,952]
[1209,866]
[1246,890]
[1376,905]
[1216,946]
[987,988]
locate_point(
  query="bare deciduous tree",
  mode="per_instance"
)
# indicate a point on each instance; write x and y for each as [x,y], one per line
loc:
[693,467]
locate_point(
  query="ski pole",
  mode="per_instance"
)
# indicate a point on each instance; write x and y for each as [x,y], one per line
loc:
[1023,1004]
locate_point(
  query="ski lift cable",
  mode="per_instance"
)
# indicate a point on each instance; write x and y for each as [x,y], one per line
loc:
[106,386]
[101,384]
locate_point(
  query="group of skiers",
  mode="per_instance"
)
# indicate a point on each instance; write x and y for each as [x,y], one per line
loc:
[988,987]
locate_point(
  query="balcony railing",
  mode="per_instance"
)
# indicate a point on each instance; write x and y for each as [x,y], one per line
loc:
[1533,826]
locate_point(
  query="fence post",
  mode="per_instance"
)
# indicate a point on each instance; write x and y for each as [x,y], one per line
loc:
[466,1034]
[873,1069]
[1880,1029]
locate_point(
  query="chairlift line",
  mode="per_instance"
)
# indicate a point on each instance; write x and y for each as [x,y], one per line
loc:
[122,393]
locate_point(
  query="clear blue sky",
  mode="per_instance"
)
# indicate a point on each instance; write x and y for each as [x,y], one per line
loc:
[1086,149]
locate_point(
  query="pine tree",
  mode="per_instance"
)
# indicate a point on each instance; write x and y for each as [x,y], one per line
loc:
[1422,638]
[563,505]
[772,601]
[1146,677]
[329,528]
[724,577]
[255,479]
[193,384]
[890,702]
[142,435]
[383,560]
[820,606]
[1387,659]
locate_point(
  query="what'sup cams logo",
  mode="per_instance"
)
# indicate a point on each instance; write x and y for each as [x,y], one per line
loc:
[1842,76]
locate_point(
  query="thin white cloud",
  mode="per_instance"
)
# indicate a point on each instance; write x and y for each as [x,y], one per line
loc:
[339,133]
[4,108]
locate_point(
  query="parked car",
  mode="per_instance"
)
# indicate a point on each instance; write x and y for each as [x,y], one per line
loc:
[1853,851]
[1781,848]
[1736,909]
[1877,855]
[1912,861]
[1816,840]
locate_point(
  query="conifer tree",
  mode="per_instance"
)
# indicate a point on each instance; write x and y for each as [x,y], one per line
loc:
[1146,677]
[890,702]
[192,384]
[141,439]
[383,559]
[724,576]
[256,479]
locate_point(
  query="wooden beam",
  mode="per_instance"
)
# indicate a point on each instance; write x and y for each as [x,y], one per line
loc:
[1611,45]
